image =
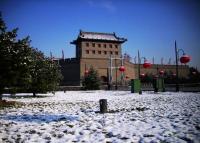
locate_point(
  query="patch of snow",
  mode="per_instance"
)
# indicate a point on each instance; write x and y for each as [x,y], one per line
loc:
[72,117]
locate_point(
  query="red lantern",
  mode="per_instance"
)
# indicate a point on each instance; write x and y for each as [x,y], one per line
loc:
[122,69]
[146,64]
[155,76]
[161,72]
[142,75]
[86,72]
[194,73]
[185,59]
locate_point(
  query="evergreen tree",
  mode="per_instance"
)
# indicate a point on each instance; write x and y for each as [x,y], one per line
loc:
[91,81]
[23,67]
[54,75]
[21,63]
[5,46]
[15,60]
[8,51]
[45,74]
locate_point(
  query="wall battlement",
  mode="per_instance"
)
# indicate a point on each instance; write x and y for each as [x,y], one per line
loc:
[68,61]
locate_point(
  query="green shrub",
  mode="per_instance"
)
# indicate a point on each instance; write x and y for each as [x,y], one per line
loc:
[91,80]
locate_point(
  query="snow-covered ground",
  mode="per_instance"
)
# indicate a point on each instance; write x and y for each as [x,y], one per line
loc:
[73,117]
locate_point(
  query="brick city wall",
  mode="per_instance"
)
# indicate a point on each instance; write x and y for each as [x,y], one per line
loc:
[102,66]
[70,69]
[73,70]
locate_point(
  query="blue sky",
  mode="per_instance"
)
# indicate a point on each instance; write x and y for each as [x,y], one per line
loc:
[151,26]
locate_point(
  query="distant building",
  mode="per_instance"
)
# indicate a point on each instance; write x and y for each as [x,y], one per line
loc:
[95,49]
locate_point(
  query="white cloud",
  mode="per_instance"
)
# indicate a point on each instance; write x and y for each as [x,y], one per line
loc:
[105,4]
[109,6]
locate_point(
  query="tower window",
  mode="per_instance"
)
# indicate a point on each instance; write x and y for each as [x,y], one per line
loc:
[87,51]
[104,45]
[93,44]
[93,51]
[87,44]
[99,52]
[105,52]
[110,45]
[99,45]
[116,46]
[111,52]
[116,53]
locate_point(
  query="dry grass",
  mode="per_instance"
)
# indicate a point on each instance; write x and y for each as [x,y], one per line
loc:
[4,104]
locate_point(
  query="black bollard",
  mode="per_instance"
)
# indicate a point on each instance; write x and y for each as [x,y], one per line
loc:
[103,105]
[140,92]
[109,87]
[155,89]
[164,90]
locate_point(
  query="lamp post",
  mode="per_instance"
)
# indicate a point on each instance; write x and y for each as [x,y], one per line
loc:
[121,69]
[184,59]
[116,86]
[139,62]
[86,70]
[146,64]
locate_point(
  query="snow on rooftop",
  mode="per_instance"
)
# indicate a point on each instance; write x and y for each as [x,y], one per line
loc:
[98,36]
[72,117]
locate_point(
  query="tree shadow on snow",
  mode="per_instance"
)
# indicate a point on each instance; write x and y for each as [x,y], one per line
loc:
[40,118]
[26,96]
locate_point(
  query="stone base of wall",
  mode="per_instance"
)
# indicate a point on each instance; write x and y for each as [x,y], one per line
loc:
[69,88]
